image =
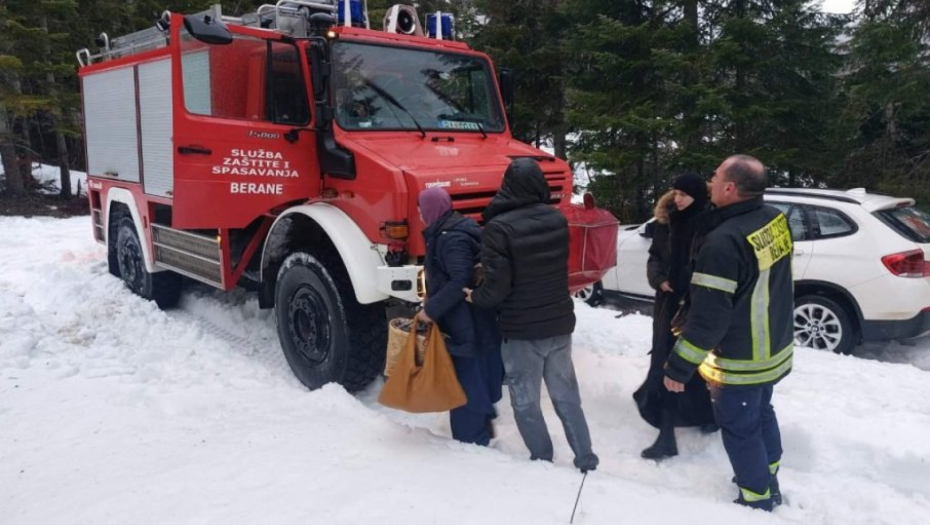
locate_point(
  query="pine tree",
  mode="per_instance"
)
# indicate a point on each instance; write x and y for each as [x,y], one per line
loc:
[525,37]
[45,84]
[886,122]
[773,67]
[625,65]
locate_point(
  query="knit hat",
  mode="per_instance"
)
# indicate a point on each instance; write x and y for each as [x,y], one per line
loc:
[693,185]
[434,203]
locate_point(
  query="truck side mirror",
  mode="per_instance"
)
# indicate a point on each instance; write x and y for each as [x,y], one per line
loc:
[319,68]
[335,161]
[505,79]
[208,29]
[648,230]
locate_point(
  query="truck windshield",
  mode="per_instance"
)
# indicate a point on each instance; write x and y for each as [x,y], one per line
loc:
[391,88]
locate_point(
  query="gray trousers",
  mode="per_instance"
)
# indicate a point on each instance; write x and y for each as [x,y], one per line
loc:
[527,364]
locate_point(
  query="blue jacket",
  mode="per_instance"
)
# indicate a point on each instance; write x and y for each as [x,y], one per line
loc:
[453,246]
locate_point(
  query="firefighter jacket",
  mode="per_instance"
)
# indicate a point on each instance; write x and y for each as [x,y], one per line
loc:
[739,325]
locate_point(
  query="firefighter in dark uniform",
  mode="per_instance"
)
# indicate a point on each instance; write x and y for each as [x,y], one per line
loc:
[738,328]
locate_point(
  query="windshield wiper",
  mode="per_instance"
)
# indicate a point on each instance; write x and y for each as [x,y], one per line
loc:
[465,117]
[387,96]
[481,129]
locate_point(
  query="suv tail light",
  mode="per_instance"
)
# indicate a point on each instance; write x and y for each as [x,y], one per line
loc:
[907,264]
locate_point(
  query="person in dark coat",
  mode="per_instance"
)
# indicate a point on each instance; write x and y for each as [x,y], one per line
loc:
[657,268]
[453,247]
[525,261]
[678,214]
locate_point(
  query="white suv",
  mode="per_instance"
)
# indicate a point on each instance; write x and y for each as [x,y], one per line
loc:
[860,266]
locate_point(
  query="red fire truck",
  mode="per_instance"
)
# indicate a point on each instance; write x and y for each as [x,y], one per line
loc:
[283,152]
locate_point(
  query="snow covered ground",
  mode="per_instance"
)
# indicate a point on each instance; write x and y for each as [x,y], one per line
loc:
[112,411]
[47,174]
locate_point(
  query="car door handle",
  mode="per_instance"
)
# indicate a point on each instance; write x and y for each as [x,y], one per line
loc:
[194,150]
[798,253]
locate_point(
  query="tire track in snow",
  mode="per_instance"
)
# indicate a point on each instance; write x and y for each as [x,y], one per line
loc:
[248,332]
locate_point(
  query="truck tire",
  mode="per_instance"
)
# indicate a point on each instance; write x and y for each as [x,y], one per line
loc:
[823,324]
[162,287]
[326,335]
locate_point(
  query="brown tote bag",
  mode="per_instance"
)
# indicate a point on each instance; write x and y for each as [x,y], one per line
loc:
[430,387]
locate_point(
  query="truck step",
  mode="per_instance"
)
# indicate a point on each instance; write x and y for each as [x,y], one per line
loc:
[97,216]
[194,255]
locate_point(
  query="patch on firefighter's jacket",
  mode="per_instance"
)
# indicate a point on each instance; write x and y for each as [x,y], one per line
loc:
[772,242]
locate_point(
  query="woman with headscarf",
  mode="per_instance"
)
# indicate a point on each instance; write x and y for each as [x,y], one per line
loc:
[669,271]
[453,245]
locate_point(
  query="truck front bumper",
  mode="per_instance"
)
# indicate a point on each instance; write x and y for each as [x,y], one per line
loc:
[402,282]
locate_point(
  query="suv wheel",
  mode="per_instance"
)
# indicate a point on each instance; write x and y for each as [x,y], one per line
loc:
[593,294]
[823,324]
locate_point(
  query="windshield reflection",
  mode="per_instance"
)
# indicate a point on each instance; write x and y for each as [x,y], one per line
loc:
[389,88]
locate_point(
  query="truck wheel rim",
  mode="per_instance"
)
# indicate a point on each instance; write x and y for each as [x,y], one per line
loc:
[130,263]
[308,320]
[817,327]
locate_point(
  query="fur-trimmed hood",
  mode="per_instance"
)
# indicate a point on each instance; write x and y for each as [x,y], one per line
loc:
[664,206]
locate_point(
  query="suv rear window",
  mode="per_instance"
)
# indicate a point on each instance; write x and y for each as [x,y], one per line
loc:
[911,222]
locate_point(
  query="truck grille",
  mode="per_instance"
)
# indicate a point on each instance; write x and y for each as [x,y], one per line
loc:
[472,204]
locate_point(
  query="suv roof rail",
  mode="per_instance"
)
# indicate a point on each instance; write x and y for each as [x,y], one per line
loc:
[794,192]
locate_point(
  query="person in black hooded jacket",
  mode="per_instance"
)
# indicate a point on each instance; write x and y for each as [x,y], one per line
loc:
[525,262]
[453,246]
[678,213]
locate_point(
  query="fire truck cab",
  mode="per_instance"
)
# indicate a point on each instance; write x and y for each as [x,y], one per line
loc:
[284,151]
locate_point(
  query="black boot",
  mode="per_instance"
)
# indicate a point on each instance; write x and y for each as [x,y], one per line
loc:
[775,491]
[765,504]
[665,445]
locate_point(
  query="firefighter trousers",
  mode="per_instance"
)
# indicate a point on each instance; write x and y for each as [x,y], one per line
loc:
[750,435]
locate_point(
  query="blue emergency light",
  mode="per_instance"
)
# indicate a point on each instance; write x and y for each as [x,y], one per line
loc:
[447,25]
[356,13]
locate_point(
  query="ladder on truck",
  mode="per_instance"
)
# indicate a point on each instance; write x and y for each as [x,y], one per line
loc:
[290,17]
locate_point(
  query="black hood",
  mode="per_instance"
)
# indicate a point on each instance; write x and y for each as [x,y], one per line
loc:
[524,184]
